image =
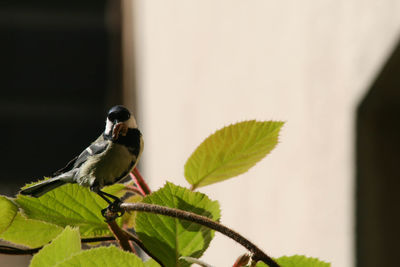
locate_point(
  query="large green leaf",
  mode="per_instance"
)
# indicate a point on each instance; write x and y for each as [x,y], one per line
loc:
[70,204]
[29,232]
[8,210]
[297,261]
[151,263]
[65,250]
[102,257]
[171,238]
[61,248]
[231,151]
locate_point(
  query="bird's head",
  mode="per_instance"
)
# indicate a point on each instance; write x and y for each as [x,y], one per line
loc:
[119,120]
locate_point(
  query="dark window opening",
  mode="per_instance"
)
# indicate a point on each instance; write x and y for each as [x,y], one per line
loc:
[60,73]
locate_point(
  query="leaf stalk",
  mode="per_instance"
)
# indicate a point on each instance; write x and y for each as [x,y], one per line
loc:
[140,182]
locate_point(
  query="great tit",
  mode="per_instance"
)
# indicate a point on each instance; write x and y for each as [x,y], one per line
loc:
[106,161]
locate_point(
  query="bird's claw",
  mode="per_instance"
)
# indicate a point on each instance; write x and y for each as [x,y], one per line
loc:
[113,211]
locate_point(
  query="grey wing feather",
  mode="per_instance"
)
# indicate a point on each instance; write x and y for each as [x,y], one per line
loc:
[95,148]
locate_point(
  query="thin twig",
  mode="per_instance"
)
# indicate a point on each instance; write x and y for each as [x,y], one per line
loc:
[140,182]
[258,254]
[121,237]
[134,189]
[140,244]
[242,260]
[18,251]
[97,239]
[29,251]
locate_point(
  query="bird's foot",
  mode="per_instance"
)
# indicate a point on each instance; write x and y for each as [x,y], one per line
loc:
[113,211]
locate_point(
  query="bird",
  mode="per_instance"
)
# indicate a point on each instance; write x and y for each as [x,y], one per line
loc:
[106,161]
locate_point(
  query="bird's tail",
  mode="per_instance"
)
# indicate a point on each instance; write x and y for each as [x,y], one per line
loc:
[43,187]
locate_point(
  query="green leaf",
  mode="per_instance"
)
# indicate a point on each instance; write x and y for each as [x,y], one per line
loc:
[297,261]
[103,256]
[29,232]
[151,263]
[231,151]
[129,218]
[195,261]
[70,204]
[171,238]
[8,210]
[61,248]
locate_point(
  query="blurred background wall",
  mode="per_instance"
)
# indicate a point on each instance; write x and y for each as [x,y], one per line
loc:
[204,64]
[327,68]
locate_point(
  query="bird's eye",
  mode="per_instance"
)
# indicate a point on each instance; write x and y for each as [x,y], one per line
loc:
[112,116]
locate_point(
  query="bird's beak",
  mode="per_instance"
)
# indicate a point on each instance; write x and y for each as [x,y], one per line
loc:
[120,128]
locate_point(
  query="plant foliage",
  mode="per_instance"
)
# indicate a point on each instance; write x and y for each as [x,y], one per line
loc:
[231,151]
[297,261]
[61,218]
[72,205]
[172,238]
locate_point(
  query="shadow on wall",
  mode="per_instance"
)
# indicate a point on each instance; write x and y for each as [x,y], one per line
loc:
[378,169]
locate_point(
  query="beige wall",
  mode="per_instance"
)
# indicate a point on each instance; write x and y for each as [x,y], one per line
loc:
[201,65]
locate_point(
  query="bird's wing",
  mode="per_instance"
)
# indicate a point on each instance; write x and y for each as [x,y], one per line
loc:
[95,148]
[67,167]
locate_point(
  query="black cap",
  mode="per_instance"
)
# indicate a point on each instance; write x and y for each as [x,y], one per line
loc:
[118,113]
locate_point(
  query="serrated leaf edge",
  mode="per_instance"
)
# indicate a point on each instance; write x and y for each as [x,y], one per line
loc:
[278,128]
[304,257]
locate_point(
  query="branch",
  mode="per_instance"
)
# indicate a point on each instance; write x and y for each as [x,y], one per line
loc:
[139,242]
[121,236]
[258,254]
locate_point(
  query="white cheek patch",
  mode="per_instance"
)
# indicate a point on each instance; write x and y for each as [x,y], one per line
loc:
[109,127]
[131,123]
